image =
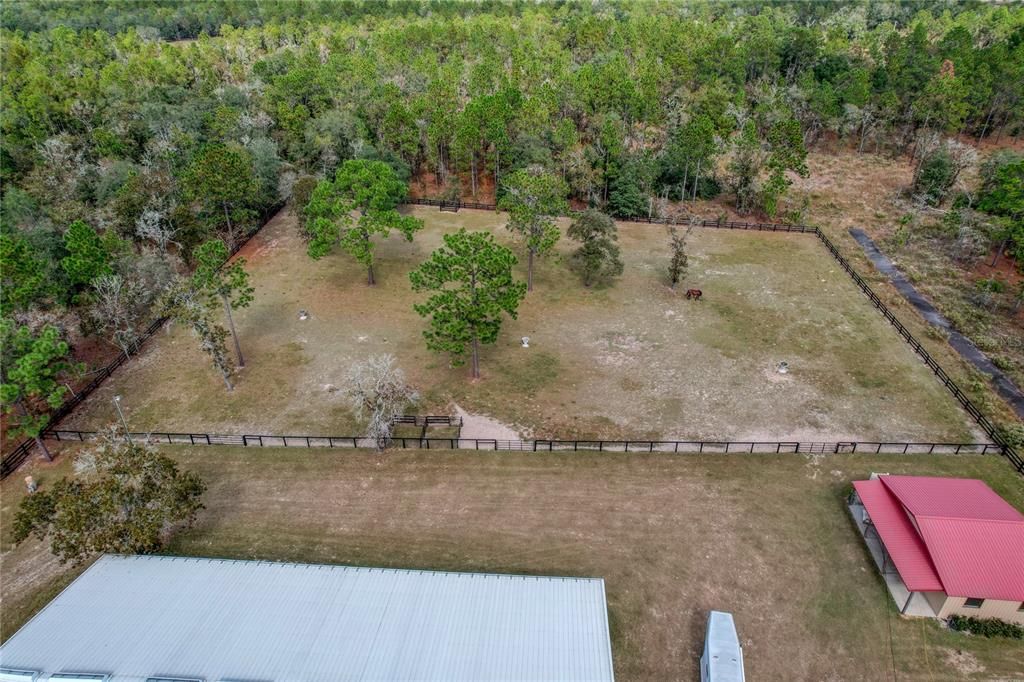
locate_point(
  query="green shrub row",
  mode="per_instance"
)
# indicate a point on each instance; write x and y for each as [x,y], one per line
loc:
[986,627]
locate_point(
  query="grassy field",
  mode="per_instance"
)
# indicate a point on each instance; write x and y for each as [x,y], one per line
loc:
[632,360]
[766,537]
[868,191]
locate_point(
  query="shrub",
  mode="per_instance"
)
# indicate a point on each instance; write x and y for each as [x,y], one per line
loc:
[986,627]
[1013,434]
[708,187]
[934,177]
[985,342]
[1004,363]
[626,200]
[302,190]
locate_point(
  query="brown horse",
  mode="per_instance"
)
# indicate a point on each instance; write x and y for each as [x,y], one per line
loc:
[695,294]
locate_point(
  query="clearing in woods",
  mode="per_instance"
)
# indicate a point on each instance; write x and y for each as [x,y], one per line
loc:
[632,360]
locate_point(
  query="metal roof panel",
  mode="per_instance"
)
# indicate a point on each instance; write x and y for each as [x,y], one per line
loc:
[962,498]
[139,617]
[904,545]
[977,557]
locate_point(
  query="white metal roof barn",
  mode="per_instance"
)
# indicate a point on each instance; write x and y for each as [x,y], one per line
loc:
[145,617]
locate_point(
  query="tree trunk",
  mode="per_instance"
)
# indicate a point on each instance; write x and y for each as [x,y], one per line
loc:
[604,178]
[476,358]
[472,161]
[696,180]
[369,275]
[46,451]
[999,252]
[1002,129]
[988,119]
[497,169]
[529,271]
[231,230]
[227,381]
[234,334]
[686,176]
[39,441]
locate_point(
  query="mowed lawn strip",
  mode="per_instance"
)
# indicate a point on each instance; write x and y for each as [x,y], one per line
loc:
[766,537]
[30,576]
[632,360]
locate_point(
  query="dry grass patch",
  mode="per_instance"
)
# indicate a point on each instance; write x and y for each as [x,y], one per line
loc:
[766,537]
[632,360]
[867,191]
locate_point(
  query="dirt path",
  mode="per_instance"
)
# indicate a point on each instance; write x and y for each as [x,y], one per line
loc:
[1003,384]
[483,427]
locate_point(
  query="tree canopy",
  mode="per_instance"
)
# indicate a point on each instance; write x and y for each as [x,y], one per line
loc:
[597,258]
[359,203]
[125,498]
[226,282]
[115,141]
[473,288]
[32,366]
[534,198]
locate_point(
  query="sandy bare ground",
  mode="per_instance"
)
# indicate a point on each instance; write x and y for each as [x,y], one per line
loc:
[483,427]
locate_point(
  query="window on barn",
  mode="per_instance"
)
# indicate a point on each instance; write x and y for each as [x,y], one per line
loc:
[973,603]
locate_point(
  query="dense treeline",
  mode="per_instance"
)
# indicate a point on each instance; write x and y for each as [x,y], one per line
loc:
[176,20]
[122,154]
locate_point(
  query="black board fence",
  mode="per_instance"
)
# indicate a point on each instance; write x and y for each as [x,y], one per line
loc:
[19,454]
[990,430]
[448,205]
[541,445]
[998,445]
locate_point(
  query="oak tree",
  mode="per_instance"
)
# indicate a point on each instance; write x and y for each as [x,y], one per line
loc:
[125,498]
[598,256]
[359,203]
[377,392]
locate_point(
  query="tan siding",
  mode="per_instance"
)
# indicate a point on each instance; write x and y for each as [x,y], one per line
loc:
[992,608]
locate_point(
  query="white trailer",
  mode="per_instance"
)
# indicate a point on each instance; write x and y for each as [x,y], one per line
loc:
[723,656]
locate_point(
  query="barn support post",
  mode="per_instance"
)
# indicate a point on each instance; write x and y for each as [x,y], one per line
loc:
[907,605]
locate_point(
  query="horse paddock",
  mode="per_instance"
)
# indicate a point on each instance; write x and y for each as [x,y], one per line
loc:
[630,360]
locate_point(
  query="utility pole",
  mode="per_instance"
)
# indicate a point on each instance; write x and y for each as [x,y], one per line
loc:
[117,404]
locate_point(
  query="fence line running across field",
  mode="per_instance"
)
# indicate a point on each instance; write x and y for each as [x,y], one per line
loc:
[1003,448]
[446,205]
[999,443]
[541,445]
[990,430]
[19,454]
